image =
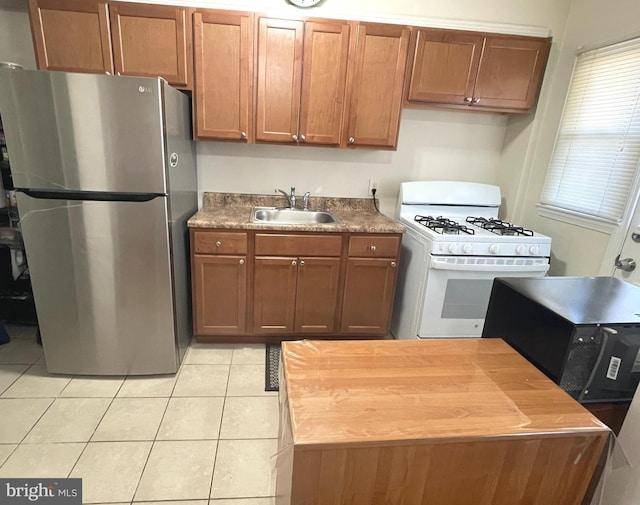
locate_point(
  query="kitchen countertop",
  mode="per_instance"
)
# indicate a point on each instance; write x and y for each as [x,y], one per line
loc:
[232,211]
[424,390]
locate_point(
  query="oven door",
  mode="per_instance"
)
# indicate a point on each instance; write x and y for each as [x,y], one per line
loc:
[458,290]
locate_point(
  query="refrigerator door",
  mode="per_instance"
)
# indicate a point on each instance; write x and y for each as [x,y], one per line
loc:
[83,132]
[101,279]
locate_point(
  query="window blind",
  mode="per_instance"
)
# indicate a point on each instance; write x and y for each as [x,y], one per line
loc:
[595,158]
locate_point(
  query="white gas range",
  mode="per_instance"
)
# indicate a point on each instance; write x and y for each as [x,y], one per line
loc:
[453,248]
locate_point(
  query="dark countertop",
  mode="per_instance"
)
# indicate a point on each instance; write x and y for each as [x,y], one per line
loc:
[232,211]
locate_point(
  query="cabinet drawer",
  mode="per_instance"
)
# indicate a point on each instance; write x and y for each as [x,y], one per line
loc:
[298,245]
[213,242]
[374,246]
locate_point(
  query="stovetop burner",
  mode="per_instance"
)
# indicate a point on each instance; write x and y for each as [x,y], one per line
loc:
[443,225]
[499,227]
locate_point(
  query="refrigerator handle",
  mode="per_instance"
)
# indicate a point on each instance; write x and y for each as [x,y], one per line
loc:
[95,196]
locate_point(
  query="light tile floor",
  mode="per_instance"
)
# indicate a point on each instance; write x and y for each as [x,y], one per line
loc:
[206,436]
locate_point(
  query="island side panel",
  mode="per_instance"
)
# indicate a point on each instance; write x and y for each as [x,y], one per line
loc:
[532,470]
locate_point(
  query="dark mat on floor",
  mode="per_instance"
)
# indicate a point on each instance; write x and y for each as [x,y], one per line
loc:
[271,368]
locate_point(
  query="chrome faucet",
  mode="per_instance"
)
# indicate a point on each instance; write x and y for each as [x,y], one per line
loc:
[290,198]
[305,200]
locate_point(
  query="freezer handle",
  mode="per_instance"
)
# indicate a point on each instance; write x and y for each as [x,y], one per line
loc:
[91,196]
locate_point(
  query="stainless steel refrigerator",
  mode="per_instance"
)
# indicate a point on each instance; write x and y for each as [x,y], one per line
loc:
[104,168]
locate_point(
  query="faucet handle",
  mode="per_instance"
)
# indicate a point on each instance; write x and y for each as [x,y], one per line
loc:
[293,190]
[305,199]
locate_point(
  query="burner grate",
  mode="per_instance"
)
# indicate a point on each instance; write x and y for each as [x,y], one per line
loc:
[499,227]
[443,225]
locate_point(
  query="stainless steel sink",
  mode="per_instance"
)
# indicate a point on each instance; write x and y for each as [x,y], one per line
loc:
[290,216]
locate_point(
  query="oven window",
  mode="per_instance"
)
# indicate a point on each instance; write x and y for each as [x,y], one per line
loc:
[466,298]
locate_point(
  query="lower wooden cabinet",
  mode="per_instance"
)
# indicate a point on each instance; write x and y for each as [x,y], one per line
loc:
[259,285]
[220,295]
[295,295]
[368,295]
[274,298]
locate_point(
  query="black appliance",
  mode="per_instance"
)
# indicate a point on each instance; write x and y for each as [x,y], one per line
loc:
[582,332]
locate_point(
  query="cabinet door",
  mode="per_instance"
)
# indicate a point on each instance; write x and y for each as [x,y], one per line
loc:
[279,79]
[317,295]
[220,294]
[368,295]
[445,65]
[274,294]
[223,48]
[71,35]
[152,41]
[326,48]
[511,71]
[377,81]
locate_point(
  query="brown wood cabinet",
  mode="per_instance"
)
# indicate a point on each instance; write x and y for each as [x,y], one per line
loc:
[219,272]
[223,54]
[128,38]
[278,81]
[470,69]
[71,35]
[326,49]
[370,284]
[376,85]
[296,102]
[290,284]
[152,40]
[296,293]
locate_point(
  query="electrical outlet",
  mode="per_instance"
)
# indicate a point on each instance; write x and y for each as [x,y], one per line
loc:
[373,184]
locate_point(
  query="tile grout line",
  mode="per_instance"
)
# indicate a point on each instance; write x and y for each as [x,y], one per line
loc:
[224,403]
[155,438]
[94,430]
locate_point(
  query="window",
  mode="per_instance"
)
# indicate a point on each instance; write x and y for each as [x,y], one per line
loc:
[595,159]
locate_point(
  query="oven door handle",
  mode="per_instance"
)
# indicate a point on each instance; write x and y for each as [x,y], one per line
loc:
[469,265]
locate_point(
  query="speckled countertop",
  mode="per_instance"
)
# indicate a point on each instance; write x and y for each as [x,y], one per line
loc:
[233,211]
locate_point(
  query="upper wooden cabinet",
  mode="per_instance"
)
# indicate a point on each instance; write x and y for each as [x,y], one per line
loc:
[223,53]
[489,72]
[511,71]
[278,81]
[132,39]
[152,40]
[377,80]
[71,35]
[296,102]
[326,50]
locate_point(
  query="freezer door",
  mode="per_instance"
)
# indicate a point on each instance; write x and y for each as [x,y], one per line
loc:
[102,285]
[83,131]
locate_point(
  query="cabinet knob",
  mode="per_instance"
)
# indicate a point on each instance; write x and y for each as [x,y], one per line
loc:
[243,135]
[294,137]
[351,140]
[241,262]
[373,248]
[468,99]
[294,263]
[303,138]
[218,243]
[393,264]
[476,100]
[301,263]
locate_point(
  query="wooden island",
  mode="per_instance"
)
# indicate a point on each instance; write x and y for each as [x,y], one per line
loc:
[438,422]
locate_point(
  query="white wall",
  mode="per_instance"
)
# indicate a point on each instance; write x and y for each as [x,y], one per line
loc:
[433,145]
[16,45]
[591,23]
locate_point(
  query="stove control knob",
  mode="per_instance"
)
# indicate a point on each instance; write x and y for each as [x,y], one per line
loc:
[520,249]
[534,249]
[453,248]
[494,248]
[467,249]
